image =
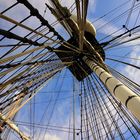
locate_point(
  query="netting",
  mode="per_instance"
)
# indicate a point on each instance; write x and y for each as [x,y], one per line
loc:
[35,71]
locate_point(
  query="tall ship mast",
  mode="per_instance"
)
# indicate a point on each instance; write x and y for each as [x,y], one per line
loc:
[69,70]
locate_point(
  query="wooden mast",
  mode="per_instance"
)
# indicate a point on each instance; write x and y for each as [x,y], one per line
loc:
[126,96]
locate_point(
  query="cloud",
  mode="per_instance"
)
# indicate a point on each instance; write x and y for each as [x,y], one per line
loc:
[67,3]
[134,73]
[92,6]
[107,29]
[51,137]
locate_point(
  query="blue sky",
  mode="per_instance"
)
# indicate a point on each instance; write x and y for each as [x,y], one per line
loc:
[63,81]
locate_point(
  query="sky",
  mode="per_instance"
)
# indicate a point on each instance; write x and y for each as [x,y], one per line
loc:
[63,81]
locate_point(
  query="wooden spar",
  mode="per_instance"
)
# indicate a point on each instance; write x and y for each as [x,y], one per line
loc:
[127,97]
[14,127]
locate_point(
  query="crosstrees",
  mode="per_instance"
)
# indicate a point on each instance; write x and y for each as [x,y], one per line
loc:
[29,61]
